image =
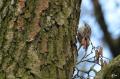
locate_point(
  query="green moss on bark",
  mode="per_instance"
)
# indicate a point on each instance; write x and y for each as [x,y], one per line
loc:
[51,53]
[110,71]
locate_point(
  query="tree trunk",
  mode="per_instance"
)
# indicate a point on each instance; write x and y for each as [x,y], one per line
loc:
[37,38]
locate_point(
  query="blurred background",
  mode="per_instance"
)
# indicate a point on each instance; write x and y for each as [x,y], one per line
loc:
[103,16]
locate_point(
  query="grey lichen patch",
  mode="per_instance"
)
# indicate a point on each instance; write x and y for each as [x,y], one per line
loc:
[62,16]
[12,2]
[48,18]
[60,19]
[49,21]
[27,14]
[4,12]
[0,20]
[66,9]
[0,58]
[111,71]
[1,4]
[9,38]
[9,35]
[11,24]
[34,63]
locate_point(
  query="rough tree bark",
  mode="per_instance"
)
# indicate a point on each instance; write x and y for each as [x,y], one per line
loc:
[37,38]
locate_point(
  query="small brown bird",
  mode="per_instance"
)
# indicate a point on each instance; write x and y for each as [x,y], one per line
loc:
[83,35]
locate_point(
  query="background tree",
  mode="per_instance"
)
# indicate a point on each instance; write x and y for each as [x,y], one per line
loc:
[37,38]
[114,44]
[103,17]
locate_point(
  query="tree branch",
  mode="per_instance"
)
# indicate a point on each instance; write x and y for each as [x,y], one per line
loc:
[113,44]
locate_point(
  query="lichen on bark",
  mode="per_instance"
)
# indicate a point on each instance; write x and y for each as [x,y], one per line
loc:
[110,71]
[52,26]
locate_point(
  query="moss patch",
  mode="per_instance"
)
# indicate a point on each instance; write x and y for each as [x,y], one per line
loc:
[111,71]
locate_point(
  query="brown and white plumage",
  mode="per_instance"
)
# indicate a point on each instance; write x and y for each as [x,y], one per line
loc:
[84,31]
[84,34]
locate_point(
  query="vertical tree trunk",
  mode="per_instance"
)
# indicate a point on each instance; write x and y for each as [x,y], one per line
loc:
[37,38]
